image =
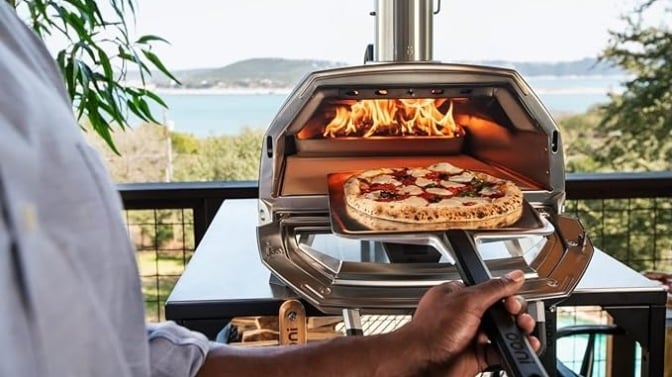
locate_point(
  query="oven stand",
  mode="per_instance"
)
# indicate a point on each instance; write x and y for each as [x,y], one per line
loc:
[352,321]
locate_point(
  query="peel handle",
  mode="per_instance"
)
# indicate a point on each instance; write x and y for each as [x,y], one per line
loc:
[517,354]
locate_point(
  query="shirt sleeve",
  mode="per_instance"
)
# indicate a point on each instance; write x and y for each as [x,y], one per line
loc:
[175,351]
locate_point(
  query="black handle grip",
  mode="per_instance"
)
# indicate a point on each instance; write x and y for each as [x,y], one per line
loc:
[517,354]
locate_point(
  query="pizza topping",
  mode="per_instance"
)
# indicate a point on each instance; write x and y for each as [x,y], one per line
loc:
[449,184]
[464,177]
[405,176]
[444,167]
[491,191]
[424,182]
[377,187]
[390,196]
[431,198]
[375,172]
[439,191]
[419,172]
[387,195]
[385,179]
[411,190]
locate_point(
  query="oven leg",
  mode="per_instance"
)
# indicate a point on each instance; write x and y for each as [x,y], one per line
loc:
[548,356]
[353,322]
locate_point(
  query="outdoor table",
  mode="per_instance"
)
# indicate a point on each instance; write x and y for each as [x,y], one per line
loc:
[225,278]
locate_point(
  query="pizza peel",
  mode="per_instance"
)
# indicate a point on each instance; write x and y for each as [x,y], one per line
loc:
[518,357]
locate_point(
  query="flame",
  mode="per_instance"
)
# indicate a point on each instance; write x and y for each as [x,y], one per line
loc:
[394,117]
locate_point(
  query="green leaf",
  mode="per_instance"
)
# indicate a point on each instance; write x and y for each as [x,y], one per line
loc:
[159,64]
[134,109]
[144,108]
[85,77]
[150,38]
[105,62]
[156,98]
[92,72]
[99,124]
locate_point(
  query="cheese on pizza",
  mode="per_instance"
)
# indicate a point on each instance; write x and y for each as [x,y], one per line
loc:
[441,193]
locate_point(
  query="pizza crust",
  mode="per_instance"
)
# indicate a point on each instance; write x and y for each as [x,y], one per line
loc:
[479,212]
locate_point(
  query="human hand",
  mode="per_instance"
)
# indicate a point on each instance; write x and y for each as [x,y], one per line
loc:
[447,324]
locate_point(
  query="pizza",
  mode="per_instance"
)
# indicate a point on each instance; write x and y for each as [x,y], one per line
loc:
[438,194]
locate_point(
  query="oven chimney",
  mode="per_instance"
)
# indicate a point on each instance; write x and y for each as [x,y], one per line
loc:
[404,30]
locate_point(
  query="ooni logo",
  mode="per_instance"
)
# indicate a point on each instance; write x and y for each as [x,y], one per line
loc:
[520,351]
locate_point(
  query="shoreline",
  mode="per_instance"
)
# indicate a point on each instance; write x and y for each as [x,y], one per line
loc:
[223,91]
[286,91]
[590,88]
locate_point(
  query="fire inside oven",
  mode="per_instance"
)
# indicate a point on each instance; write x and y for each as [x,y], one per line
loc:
[380,118]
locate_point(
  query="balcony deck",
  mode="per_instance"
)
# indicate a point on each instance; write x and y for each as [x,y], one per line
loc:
[629,215]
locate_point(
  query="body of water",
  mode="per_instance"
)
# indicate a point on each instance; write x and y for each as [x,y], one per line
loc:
[207,114]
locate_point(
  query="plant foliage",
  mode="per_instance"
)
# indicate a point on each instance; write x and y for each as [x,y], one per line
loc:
[641,116]
[98,55]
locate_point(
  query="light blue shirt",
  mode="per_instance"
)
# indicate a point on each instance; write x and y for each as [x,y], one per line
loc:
[71,298]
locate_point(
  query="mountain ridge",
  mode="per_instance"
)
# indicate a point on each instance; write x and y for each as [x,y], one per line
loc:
[278,73]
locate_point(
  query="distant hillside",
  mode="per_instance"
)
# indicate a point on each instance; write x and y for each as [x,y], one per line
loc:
[583,67]
[253,73]
[274,73]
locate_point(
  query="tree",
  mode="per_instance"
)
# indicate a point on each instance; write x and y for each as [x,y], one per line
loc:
[221,158]
[582,140]
[143,154]
[640,119]
[99,52]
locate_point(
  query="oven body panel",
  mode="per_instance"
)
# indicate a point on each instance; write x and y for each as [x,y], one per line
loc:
[523,141]
[499,126]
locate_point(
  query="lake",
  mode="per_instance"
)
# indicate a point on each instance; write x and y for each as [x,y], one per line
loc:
[207,114]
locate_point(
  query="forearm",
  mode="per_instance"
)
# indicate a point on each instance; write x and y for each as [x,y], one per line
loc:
[391,355]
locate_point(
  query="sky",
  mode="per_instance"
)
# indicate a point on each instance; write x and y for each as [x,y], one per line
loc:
[213,33]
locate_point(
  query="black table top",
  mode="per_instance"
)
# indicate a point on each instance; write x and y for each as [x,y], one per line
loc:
[226,277]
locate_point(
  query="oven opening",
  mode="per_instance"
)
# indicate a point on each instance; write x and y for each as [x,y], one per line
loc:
[480,127]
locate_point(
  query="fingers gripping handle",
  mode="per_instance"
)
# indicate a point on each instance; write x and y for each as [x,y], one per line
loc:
[517,354]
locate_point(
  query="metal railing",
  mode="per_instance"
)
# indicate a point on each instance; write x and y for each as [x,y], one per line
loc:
[629,215]
[203,198]
[166,221]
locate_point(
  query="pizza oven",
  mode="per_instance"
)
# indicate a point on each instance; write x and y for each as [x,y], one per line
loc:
[405,111]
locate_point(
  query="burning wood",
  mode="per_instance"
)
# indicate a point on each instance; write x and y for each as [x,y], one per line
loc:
[394,117]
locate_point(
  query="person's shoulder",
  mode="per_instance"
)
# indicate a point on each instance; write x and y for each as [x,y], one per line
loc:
[21,49]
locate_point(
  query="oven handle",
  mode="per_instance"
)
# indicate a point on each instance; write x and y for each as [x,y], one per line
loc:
[517,354]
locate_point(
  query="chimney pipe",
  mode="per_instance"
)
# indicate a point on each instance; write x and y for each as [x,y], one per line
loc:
[404,30]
